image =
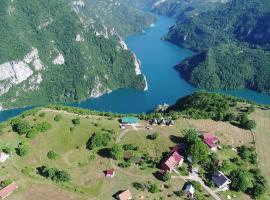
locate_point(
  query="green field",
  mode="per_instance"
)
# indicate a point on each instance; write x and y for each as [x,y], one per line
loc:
[87,175]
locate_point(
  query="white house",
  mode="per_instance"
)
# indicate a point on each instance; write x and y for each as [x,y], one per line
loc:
[3,157]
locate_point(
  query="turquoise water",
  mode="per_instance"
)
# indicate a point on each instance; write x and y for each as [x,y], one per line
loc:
[165,84]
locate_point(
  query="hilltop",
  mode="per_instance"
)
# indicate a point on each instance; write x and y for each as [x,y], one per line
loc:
[81,145]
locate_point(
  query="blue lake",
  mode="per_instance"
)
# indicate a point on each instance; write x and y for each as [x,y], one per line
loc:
[157,63]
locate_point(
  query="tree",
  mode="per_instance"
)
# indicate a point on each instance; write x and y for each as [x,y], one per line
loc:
[54,174]
[241,180]
[57,117]
[131,147]
[153,188]
[138,186]
[166,176]
[21,127]
[98,139]
[191,136]
[198,150]
[76,121]
[43,126]
[7,150]
[153,136]
[22,149]
[32,133]
[117,152]
[52,155]
[5,183]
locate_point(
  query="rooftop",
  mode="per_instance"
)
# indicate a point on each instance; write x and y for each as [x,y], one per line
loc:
[132,120]
[125,195]
[8,190]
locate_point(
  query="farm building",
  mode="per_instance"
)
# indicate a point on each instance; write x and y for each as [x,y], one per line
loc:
[221,180]
[110,173]
[126,195]
[174,161]
[190,191]
[211,140]
[6,191]
[129,121]
[3,157]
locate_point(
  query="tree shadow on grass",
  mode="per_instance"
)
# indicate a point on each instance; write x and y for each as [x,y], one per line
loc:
[105,152]
[176,139]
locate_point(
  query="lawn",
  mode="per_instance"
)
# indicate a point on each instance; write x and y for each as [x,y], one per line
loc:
[262,135]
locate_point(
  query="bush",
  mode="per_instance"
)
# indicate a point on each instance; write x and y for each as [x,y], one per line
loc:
[153,136]
[43,126]
[166,176]
[130,147]
[32,133]
[5,183]
[138,186]
[98,139]
[54,174]
[42,114]
[58,118]
[153,188]
[22,149]
[117,152]
[21,127]
[27,170]
[52,155]
[126,164]
[7,150]
[76,121]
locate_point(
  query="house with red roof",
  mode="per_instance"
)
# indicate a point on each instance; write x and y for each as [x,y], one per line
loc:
[110,173]
[126,195]
[174,161]
[211,140]
[6,191]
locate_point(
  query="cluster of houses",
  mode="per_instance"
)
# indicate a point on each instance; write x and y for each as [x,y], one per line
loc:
[9,189]
[161,122]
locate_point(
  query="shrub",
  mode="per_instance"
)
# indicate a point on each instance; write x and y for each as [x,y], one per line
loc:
[7,150]
[43,126]
[32,133]
[153,136]
[57,118]
[54,174]
[42,114]
[138,186]
[98,139]
[5,183]
[126,164]
[27,170]
[131,147]
[117,152]
[166,176]
[76,121]
[21,127]
[52,155]
[22,149]
[153,188]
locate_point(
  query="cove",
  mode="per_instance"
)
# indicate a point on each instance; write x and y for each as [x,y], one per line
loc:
[165,85]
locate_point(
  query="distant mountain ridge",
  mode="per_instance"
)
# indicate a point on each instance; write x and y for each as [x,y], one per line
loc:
[232,41]
[67,50]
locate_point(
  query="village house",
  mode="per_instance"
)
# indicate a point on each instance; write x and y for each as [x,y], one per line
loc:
[162,122]
[110,173]
[8,190]
[126,195]
[221,181]
[211,140]
[3,157]
[129,121]
[189,191]
[174,161]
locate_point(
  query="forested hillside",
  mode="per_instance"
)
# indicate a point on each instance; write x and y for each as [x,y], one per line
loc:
[52,51]
[232,42]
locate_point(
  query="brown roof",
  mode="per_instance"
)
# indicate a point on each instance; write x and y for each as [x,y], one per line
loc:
[125,195]
[6,191]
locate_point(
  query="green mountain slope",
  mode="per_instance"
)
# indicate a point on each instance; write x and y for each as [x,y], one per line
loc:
[52,51]
[232,41]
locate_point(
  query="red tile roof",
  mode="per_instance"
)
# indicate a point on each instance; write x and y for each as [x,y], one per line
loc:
[110,172]
[210,136]
[210,143]
[8,190]
[172,162]
[125,195]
